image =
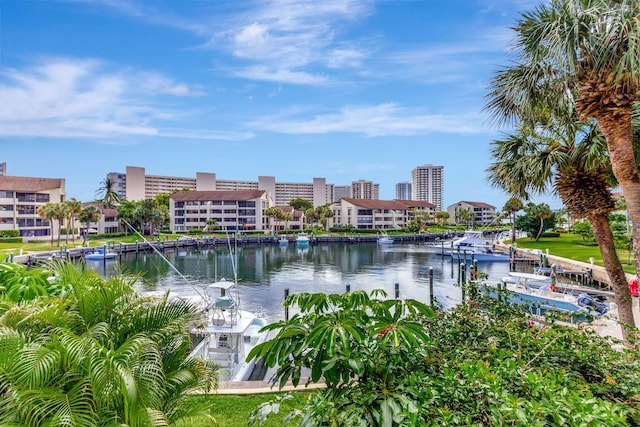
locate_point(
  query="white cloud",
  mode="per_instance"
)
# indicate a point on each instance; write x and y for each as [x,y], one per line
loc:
[379,120]
[280,75]
[291,41]
[64,98]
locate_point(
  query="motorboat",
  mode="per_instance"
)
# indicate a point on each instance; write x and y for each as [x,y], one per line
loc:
[478,253]
[99,254]
[546,298]
[470,238]
[302,239]
[384,239]
[228,333]
[283,241]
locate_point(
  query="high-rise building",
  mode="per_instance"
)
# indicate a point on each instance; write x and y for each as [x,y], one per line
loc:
[403,191]
[427,184]
[135,184]
[341,192]
[362,189]
[3,169]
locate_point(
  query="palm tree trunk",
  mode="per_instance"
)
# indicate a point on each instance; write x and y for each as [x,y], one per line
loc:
[604,237]
[625,170]
[540,230]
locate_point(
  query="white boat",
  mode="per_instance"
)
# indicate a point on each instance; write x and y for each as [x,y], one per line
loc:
[99,254]
[229,332]
[302,239]
[384,239]
[470,238]
[544,299]
[283,241]
[478,253]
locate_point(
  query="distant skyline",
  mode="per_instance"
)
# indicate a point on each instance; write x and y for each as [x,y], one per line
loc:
[340,89]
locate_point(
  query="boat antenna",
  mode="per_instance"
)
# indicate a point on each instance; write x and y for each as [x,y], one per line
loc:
[164,258]
[232,252]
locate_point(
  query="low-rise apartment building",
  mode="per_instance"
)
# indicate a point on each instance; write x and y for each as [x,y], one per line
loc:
[20,198]
[108,222]
[231,210]
[368,213]
[379,214]
[484,212]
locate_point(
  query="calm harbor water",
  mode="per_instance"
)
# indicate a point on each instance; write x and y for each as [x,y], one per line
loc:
[265,271]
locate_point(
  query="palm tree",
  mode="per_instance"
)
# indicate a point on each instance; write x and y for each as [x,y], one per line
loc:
[88,215]
[59,213]
[74,207]
[466,217]
[511,207]
[126,215]
[442,217]
[582,55]
[533,160]
[46,211]
[107,194]
[101,355]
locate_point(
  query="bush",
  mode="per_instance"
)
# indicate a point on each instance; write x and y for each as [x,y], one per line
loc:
[10,233]
[105,236]
[550,234]
[11,239]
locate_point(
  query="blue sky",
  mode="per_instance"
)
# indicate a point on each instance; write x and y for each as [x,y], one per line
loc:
[340,89]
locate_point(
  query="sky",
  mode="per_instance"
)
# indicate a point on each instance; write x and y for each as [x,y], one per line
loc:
[337,89]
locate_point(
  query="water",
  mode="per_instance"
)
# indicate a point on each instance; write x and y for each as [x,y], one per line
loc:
[264,272]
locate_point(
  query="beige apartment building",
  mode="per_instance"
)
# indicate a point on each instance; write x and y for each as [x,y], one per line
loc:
[20,198]
[377,214]
[231,210]
[485,213]
[135,184]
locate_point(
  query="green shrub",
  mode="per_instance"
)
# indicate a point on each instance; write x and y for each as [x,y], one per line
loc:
[9,233]
[550,234]
[11,239]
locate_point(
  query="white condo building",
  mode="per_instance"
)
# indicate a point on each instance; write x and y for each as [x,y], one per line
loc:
[135,184]
[403,191]
[427,184]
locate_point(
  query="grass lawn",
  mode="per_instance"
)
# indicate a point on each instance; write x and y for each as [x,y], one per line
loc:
[569,246]
[235,410]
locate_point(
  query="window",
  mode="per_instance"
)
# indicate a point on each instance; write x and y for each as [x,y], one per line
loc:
[179,205]
[6,194]
[250,204]
[42,198]
[180,212]
[26,209]
[26,197]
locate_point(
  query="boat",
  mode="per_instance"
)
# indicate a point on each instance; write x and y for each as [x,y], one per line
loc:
[283,241]
[384,239]
[100,255]
[535,281]
[478,253]
[228,332]
[470,238]
[544,299]
[302,239]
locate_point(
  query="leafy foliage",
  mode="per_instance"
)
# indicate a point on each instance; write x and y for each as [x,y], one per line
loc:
[400,363]
[82,351]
